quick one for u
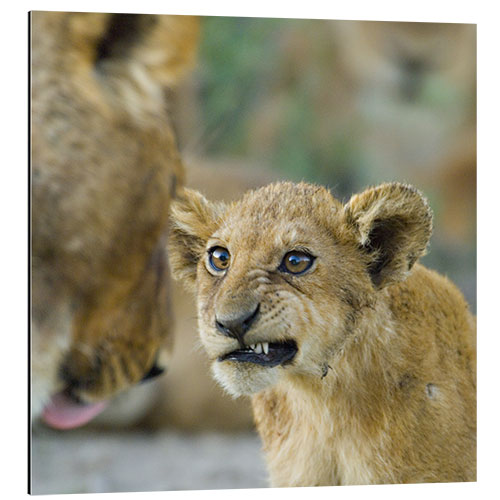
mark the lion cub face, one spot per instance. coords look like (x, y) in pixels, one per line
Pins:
(282, 274)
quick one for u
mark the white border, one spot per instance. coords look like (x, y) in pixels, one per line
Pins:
(14, 217)
(424, 10)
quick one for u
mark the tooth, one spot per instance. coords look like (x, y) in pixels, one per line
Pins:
(253, 346)
(258, 348)
(265, 347)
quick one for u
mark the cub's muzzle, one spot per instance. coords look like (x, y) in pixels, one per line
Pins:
(237, 327)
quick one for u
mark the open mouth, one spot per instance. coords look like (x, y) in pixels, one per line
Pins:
(264, 353)
(64, 411)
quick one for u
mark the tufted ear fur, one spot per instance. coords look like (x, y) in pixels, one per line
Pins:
(393, 225)
(193, 221)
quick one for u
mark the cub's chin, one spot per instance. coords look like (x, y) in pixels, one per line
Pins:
(239, 379)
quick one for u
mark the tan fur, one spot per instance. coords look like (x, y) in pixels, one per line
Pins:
(104, 168)
(187, 397)
(382, 388)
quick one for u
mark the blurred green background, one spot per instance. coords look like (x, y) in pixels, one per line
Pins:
(347, 104)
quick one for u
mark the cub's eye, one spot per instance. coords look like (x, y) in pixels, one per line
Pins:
(296, 262)
(219, 258)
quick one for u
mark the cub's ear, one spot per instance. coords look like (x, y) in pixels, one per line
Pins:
(393, 225)
(193, 221)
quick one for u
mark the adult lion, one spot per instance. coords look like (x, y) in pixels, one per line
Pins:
(105, 166)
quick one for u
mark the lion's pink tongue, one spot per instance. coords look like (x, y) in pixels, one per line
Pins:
(64, 413)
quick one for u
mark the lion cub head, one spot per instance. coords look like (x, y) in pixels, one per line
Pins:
(282, 275)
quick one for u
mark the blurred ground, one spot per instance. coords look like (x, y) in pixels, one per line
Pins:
(140, 461)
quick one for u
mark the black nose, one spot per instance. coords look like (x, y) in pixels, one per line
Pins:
(154, 372)
(237, 328)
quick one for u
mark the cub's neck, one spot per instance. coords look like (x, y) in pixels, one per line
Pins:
(337, 419)
(363, 365)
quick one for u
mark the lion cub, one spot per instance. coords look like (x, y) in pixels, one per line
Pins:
(360, 361)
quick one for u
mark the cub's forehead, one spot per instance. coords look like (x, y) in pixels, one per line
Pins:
(284, 208)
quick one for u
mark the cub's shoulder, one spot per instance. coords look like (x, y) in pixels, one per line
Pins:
(427, 291)
(430, 304)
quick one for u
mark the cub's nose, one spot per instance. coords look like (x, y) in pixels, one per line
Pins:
(237, 327)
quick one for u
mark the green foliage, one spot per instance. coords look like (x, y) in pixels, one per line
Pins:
(244, 62)
(233, 65)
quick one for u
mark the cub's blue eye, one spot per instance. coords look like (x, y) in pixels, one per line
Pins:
(296, 262)
(219, 258)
